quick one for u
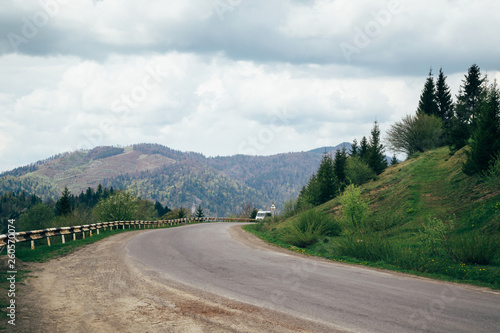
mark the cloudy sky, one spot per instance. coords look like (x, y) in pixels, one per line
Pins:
(225, 77)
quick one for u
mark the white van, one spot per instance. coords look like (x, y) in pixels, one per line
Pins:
(262, 214)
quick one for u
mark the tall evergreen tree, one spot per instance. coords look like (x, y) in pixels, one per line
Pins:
(354, 148)
(328, 186)
(363, 149)
(443, 98)
(199, 212)
(375, 154)
(485, 143)
(469, 99)
(427, 103)
(339, 163)
(64, 204)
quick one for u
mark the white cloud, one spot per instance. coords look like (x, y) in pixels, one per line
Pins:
(264, 77)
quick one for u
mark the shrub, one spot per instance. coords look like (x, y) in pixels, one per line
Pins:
(358, 172)
(474, 249)
(416, 134)
(121, 206)
(434, 235)
(309, 226)
(355, 209)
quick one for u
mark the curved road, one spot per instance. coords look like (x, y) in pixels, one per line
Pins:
(206, 256)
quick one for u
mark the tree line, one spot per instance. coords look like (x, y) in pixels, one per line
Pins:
(101, 204)
(472, 121)
(362, 163)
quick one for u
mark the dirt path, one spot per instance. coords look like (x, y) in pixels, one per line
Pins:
(100, 289)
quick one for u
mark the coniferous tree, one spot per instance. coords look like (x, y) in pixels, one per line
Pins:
(427, 103)
(340, 162)
(394, 160)
(485, 143)
(199, 212)
(354, 148)
(469, 99)
(363, 149)
(443, 99)
(375, 154)
(327, 181)
(64, 205)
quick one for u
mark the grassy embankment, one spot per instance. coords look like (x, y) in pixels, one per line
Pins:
(426, 218)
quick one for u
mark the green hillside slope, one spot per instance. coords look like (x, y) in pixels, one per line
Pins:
(425, 217)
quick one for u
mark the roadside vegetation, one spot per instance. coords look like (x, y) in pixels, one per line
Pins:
(436, 214)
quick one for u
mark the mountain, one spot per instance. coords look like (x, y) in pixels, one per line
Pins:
(222, 185)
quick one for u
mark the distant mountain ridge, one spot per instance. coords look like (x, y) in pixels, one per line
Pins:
(222, 185)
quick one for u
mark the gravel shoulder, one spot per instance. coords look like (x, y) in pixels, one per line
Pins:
(99, 288)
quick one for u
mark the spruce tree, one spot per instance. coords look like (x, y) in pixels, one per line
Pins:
(394, 160)
(485, 143)
(363, 149)
(443, 98)
(375, 154)
(354, 148)
(340, 163)
(327, 182)
(64, 205)
(427, 103)
(469, 99)
(199, 212)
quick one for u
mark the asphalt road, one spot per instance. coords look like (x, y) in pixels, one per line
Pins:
(207, 257)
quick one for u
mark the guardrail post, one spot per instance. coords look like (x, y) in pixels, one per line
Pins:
(90, 232)
(98, 231)
(48, 241)
(83, 234)
(74, 236)
(32, 244)
(63, 239)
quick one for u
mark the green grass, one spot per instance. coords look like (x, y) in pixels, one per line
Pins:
(406, 203)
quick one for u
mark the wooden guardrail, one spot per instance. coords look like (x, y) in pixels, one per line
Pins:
(25, 236)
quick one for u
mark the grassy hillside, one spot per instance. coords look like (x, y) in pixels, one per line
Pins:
(425, 217)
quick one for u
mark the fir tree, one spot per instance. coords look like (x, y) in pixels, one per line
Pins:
(64, 205)
(199, 212)
(375, 154)
(327, 181)
(443, 98)
(354, 148)
(485, 143)
(469, 99)
(394, 160)
(363, 149)
(427, 103)
(340, 162)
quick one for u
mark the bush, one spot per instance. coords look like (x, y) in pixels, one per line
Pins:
(309, 226)
(474, 249)
(358, 172)
(355, 209)
(121, 206)
(416, 134)
(433, 236)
